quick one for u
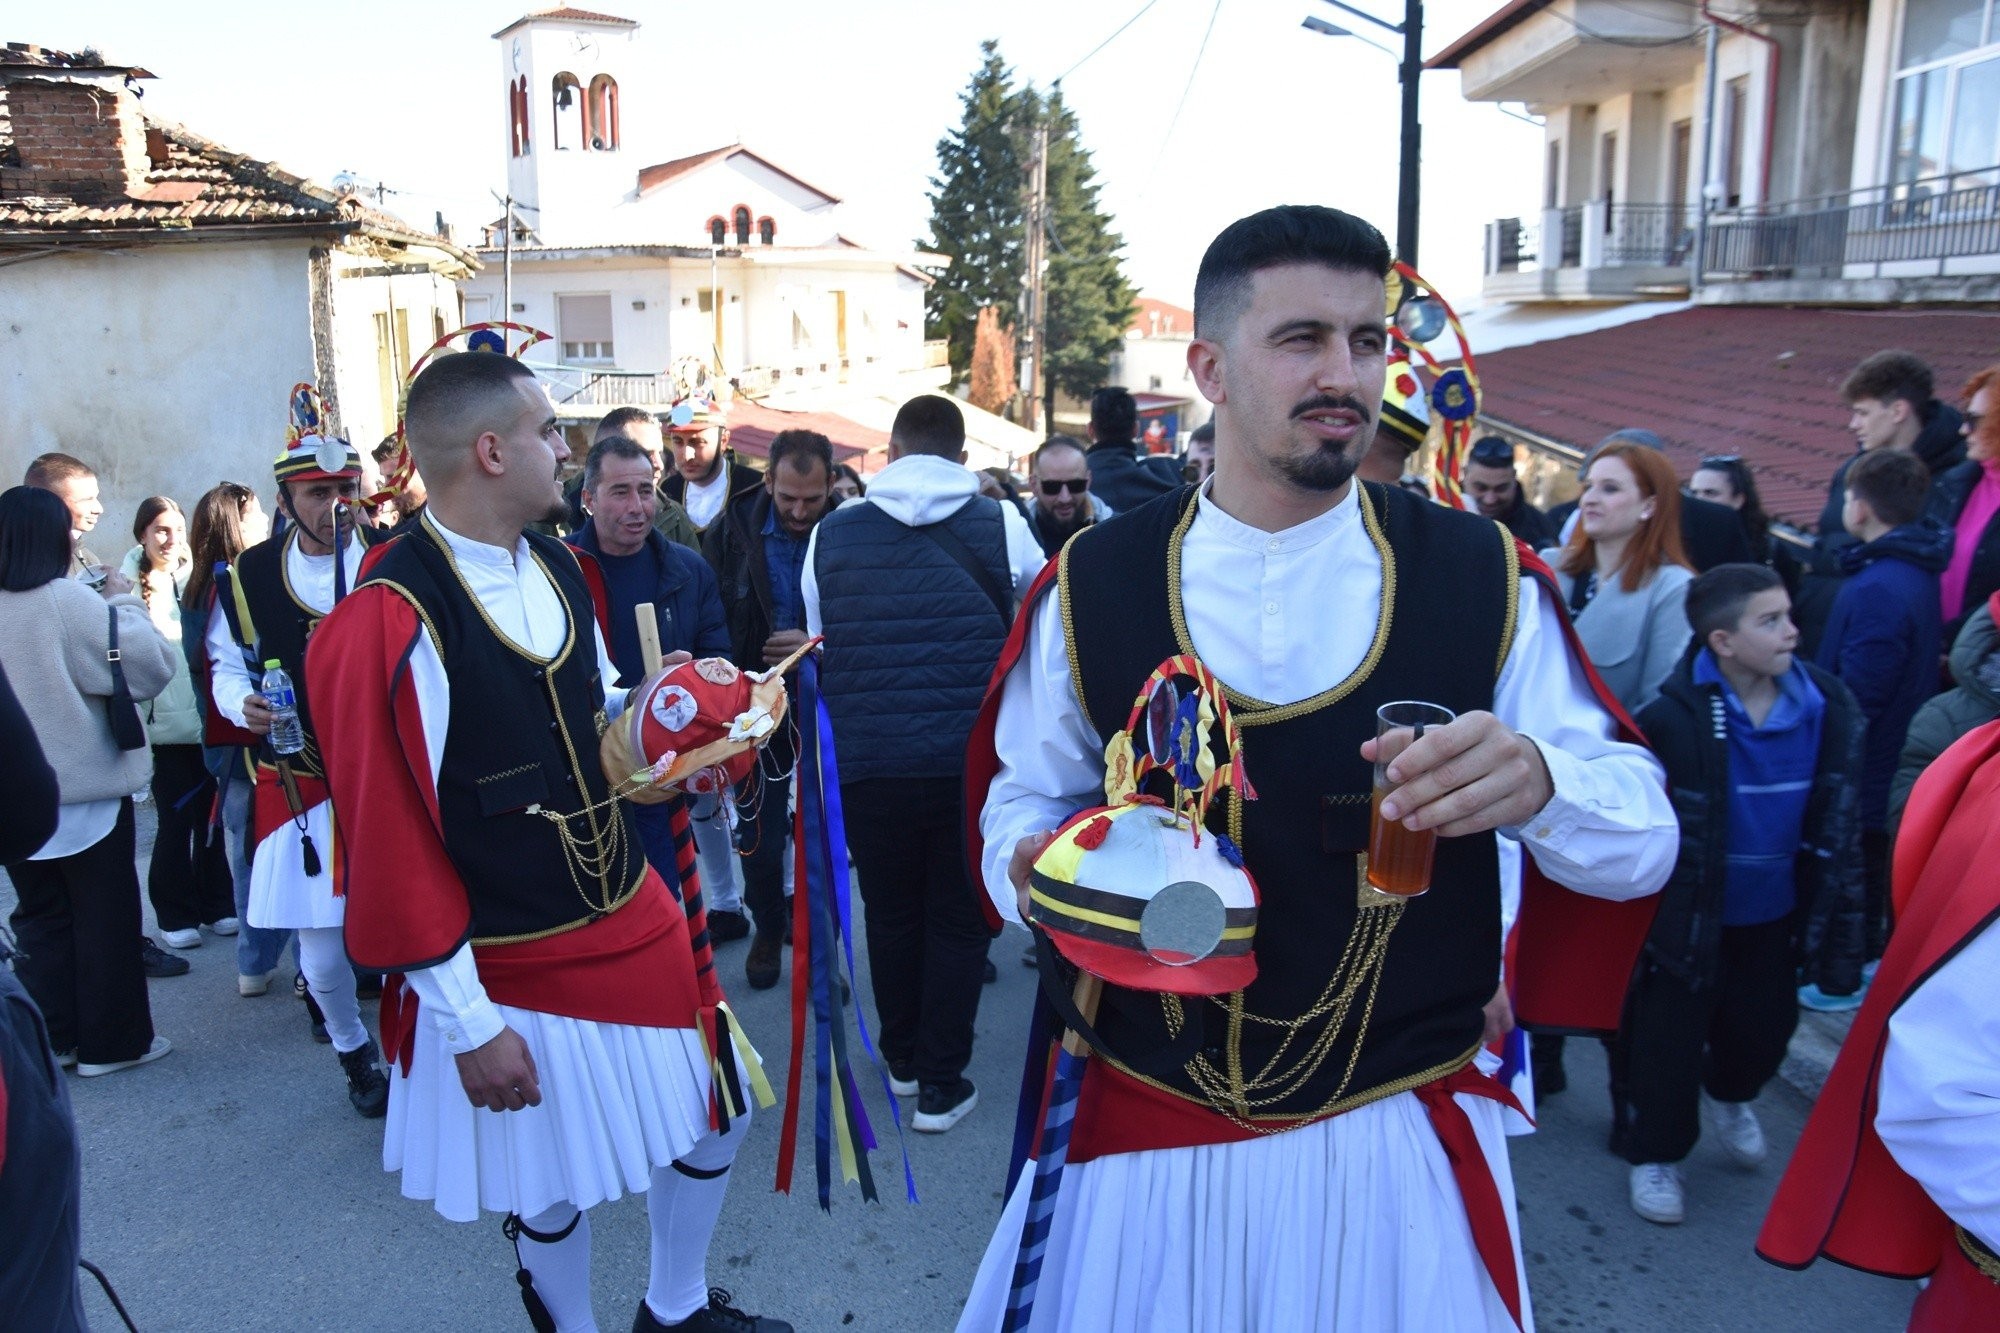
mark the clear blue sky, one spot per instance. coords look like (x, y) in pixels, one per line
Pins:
(854, 96)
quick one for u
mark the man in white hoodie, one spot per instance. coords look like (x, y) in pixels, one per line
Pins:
(914, 588)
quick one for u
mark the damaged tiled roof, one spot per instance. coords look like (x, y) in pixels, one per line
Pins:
(752, 427)
(1762, 382)
(195, 182)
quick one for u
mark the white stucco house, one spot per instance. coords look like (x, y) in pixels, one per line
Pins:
(160, 294)
(723, 257)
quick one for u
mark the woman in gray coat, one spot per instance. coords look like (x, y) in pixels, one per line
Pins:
(77, 912)
(1622, 573)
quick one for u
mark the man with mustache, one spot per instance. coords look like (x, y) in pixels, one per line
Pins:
(1317, 1165)
(1062, 504)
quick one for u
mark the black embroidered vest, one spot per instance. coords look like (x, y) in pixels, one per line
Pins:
(521, 746)
(281, 623)
(1282, 1050)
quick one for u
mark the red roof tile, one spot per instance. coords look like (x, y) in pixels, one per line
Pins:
(566, 14)
(660, 173)
(1763, 382)
(1172, 320)
(752, 427)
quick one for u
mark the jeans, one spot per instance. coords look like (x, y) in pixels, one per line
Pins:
(258, 948)
(926, 935)
(78, 925)
(188, 878)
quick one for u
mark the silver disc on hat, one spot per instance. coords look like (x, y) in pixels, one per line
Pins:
(1183, 923)
(331, 455)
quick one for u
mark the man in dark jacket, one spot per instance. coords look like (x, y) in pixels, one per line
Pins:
(1884, 635)
(642, 428)
(1890, 405)
(635, 565)
(757, 547)
(1119, 474)
(914, 589)
(1759, 750)
(1495, 491)
(707, 476)
(1972, 703)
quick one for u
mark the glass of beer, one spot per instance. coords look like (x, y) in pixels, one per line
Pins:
(1399, 861)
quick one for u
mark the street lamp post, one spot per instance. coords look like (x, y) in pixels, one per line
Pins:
(1411, 68)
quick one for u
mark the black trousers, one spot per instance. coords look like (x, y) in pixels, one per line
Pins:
(1875, 863)
(762, 832)
(926, 937)
(78, 925)
(188, 879)
(1729, 1037)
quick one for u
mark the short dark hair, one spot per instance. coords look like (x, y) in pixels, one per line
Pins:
(1715, 600)
(1055, 442)
(802, 448)
(1493, 451)
(609, 446)
(930, 423)
(1894, 482)
(1890, 375)
(50, 470)
(618, 418)
(34, 538)
(1204, 433)
(452, 396)
(1289, 234)
(1114, 414)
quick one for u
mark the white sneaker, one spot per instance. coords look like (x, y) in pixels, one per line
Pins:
(1736, 1125)
(1657, 1195)
(159, 1048)
(226, 926)
(902, 1087)
(247, 984)
(182, 939)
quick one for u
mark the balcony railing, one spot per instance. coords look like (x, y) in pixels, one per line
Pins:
(1593, 235)
(1929, 220)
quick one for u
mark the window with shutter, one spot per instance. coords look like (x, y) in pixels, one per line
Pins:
(584, 325)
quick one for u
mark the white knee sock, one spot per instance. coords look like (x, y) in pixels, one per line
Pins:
(683, 1204)
(561, 1269)
(323, 959)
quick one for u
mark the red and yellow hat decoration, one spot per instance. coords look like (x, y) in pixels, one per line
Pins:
(312, 452)
(1447, 385)
(497, 335)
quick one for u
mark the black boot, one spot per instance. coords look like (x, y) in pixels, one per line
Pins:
(315, 1019)
(718, 1316)
(367, 1087)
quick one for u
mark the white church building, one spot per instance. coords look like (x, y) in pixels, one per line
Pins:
(721, 258)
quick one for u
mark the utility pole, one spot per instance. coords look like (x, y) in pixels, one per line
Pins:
(1034, 322)
(507, 263)
(1410, 184)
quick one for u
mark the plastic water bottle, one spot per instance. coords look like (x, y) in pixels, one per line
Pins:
(287, 737)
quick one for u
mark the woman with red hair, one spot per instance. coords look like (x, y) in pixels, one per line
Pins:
(1966, 499)
(1622, 572)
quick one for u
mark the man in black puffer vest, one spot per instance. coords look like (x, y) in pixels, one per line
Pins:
(914, 588)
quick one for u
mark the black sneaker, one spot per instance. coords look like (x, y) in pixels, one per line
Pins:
(764, 961)
(369, 987)
(942, 1105)
(367, 1088)
(718, 1317)
(157, 961)
(725, 925)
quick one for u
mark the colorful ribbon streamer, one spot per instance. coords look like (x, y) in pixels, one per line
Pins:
(1064, 1088)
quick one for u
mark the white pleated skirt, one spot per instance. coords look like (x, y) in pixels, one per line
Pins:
(282, 896)
(1353, 1223)
(617, 1101)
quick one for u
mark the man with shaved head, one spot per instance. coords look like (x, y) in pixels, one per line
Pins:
(551, 1037)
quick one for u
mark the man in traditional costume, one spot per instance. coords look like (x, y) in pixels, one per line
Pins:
(556, 1026)
(1319, 1150)
(1898, 1171)
(273, 601)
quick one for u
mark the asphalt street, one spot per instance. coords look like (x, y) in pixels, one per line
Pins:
(230, 1187)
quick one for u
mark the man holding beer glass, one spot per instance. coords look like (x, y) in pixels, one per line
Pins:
(1322, 1149)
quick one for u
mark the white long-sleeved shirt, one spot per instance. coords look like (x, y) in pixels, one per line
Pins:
(1938, 1106)
(1282, 616)
(311, 577)
(923, 488)
(528, 610)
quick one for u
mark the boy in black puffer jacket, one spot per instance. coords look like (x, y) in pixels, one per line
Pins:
(1760, 750)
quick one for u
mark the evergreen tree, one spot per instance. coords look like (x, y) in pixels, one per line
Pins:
(1089, 302)
(977, 208)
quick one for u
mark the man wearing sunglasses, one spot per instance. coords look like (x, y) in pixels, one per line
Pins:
(1063, 505)
(1496, 493)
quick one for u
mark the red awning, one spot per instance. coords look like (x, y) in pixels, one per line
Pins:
(752, 426)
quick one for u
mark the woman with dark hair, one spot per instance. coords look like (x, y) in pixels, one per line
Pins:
(188, 878)
(1623, 573)
(847, 485)
(77, 912)
(226, 521)
(1726, 479)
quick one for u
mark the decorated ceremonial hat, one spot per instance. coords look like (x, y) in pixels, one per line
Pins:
(696, 405)
(312, 452)
(697, 725)
(502, 336)
(1406, 407)
(1129, 894)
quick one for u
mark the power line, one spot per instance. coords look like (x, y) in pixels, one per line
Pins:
(1186, 88)
(1107, 41)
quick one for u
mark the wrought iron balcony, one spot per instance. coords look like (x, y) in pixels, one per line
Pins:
(1902, 229)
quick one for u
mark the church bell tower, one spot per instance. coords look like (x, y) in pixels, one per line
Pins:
(564, 113)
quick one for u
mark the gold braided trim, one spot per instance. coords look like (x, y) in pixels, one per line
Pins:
(1512, 555)
(1272, 1124)
(569, 622)
(1251, 712)
(1069, 626)
(1978, 1255)
(430, 626)
(597, 914)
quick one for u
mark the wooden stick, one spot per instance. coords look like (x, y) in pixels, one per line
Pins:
(1089, 990)
(649, 635)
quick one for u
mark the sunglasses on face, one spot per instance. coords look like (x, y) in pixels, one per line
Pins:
(1054, 488)
(1721, 460)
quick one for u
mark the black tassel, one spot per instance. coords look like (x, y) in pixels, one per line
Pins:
(311, 856)
(538, 1311)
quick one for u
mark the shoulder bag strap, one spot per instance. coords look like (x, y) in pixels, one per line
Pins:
(949, 543)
